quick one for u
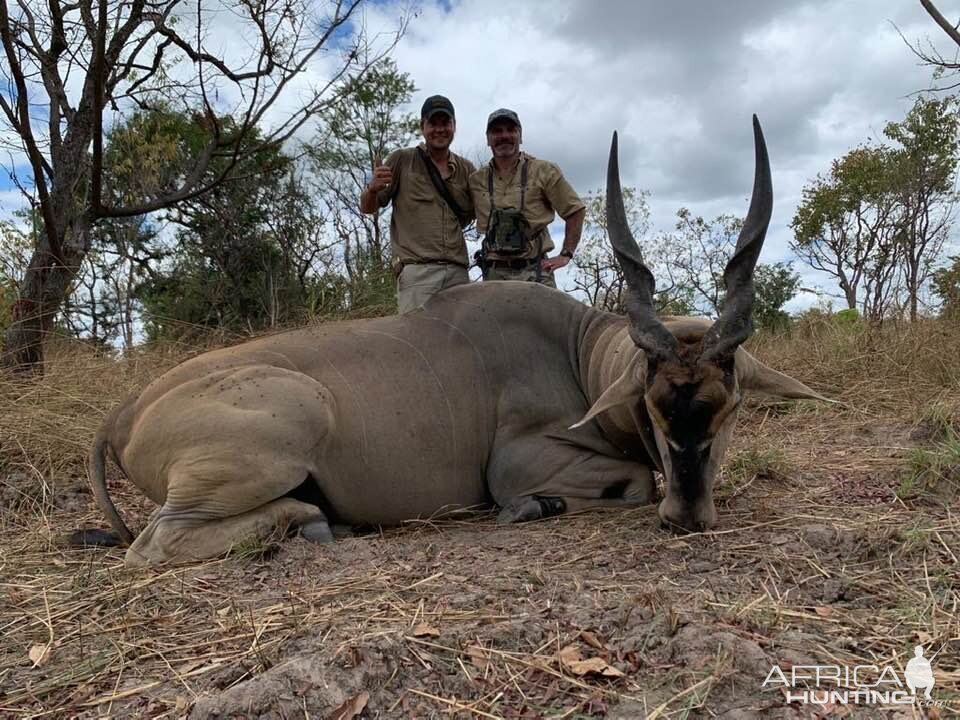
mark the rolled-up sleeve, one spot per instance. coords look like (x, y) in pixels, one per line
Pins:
(559, 192)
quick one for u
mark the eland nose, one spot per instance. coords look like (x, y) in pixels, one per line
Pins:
(681, 518)
(683, 524)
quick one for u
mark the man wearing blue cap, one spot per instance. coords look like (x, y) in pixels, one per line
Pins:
(516, 197)
(429, 188)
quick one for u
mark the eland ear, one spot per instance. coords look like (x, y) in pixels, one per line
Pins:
(627, 388)
(758, 377)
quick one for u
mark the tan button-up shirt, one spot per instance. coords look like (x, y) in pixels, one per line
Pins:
(548, 194)
(423, 228)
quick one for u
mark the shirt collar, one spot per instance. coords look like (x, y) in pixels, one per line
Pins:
(451, 157)
(513, 170)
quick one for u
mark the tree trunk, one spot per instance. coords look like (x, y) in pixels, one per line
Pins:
(42, 292)
(48, 279)
(850, 293)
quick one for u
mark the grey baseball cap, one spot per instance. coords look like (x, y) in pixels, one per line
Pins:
(435, 104)
(503, 114)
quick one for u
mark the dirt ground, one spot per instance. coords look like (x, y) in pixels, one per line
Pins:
(822, 556)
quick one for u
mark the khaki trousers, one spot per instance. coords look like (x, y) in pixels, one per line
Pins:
(417, 283)
(522, 274)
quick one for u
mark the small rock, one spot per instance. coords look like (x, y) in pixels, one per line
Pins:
(701, 566)
(832, 590)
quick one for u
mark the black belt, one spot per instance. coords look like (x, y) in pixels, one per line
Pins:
(521, 264)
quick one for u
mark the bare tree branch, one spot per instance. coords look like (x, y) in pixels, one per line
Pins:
(950, 30)
(21, 122)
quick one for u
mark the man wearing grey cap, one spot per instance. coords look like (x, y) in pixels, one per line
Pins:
(428, 186)
(516, 197)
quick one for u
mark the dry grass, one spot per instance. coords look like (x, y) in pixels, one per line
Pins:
(821, 556)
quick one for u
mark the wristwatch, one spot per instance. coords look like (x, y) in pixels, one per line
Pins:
(567, 254)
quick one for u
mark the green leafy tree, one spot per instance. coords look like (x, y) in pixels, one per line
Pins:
(879, 221)
(695, 256)
(355, 134)
(924, 164)
(148, 153)
(848, 226)
(775, 285)
(946, 284)
(688, 263)
(245, 255)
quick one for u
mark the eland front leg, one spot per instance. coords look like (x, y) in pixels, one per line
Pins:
(587, 481)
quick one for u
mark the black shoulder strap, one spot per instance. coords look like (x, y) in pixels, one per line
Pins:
(442, 189)
(490, 188)
(523, 183)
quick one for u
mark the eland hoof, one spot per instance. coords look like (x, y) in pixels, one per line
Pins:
(519, 511)
(530, 508)
(317, 531)
(93, 537)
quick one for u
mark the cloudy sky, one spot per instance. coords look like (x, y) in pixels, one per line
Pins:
(679, 80)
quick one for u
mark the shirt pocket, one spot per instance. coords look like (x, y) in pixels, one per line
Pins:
(421, 189)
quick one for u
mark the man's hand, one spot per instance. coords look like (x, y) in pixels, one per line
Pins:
(382, 177)
(554, 263)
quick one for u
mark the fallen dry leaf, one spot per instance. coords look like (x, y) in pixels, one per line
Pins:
(479, 657)
(591, 639)
(594, 665)
(572, 660)
(182, 705)
(823, 611)
(39, 655)
(351, 708)
(424, 630)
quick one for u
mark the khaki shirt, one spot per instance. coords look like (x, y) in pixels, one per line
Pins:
(423, 228)
(548, 194)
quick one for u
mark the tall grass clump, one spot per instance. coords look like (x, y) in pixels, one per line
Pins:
(897, 367)
(933, 468)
